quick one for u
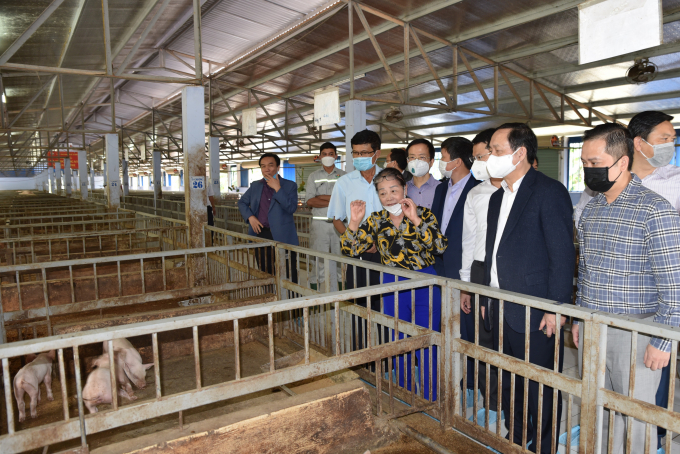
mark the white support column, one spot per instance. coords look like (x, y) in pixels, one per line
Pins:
(214, 154)
(195, 196)
(57, 172)
(82, 173)
(355, 121)
(51, 179)
(91, 176)
(68, 178)
(156, 176)
(126, 179)
(112, 152)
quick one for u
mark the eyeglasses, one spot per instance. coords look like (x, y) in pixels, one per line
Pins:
(420, 158)
(362, 154)
(478, 158)
(385, 178)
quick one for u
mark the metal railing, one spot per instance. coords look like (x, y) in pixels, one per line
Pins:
(79, 245)
(32, 294)
(379, 345)
(75, 424)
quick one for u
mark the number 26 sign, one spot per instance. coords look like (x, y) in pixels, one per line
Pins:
(197, 182)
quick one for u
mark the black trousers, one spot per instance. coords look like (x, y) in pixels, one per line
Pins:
(211, 219)
(541, 353)
(358, 338)
(477, 272)
(265, 258)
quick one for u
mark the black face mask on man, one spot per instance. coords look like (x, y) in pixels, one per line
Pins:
(597, 178)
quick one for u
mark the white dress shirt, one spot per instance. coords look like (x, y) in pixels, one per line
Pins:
(506, 206)
(665, 181)
(474, 226)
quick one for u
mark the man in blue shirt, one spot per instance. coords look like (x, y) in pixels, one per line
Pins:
(358, 185)
(629, 239)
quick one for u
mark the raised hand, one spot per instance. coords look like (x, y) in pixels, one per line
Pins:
(357, 211)
(273, 182)
(410, 211)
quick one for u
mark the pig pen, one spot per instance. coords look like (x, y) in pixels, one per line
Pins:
(213, 371)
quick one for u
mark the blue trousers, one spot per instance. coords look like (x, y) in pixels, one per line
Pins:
(662, 396)
(422, 315)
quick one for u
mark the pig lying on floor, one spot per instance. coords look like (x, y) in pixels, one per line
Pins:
(28, 380)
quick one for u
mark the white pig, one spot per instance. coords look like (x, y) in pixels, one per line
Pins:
(134, 369)
(119, 364)
(97, 388)
(28, 380)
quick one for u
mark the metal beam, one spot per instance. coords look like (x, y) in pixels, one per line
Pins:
(21, 112)
(143, 36)
(11, 50)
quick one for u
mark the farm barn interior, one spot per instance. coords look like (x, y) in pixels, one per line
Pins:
(179, 269)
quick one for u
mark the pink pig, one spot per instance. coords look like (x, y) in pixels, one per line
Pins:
(132, 361)
(97, 389)
(28, 380)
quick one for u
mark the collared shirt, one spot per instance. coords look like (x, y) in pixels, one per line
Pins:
(474, 226)
(424, 195)
(321, 182)
(265, 202)
(405, 246)
(350, 187)
(211, 193)
(630, 256)
(665, 181)
(453, 193)
(508, 199)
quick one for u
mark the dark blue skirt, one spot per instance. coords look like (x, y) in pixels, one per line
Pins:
(422, 315)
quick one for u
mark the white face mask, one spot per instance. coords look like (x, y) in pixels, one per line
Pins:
(500, 166)
(442, 169)
(328, 161)
(663, 153)
(418, 168)
(479, 170)
(394, 209)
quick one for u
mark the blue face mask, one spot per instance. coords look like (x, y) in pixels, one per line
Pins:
(363, 164)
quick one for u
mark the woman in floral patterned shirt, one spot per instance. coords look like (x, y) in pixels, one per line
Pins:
(406, 236)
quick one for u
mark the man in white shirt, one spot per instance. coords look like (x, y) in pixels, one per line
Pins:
(324, 237)
(474, 252)
(654, 144)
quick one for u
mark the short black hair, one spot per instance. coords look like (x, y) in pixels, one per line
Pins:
(642, 124)
(270, 155)
(367, 137)
(430, 147)
(522, 135)
(459, 147)
(399, 156)
(389, 173)
(535, 160)
(618, 140)
(484, 136)
(327, 145)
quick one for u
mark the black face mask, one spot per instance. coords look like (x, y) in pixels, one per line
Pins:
(597, 178)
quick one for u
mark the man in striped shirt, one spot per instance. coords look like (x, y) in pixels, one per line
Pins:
(654, 145)
(629, 238)
(651, 131)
